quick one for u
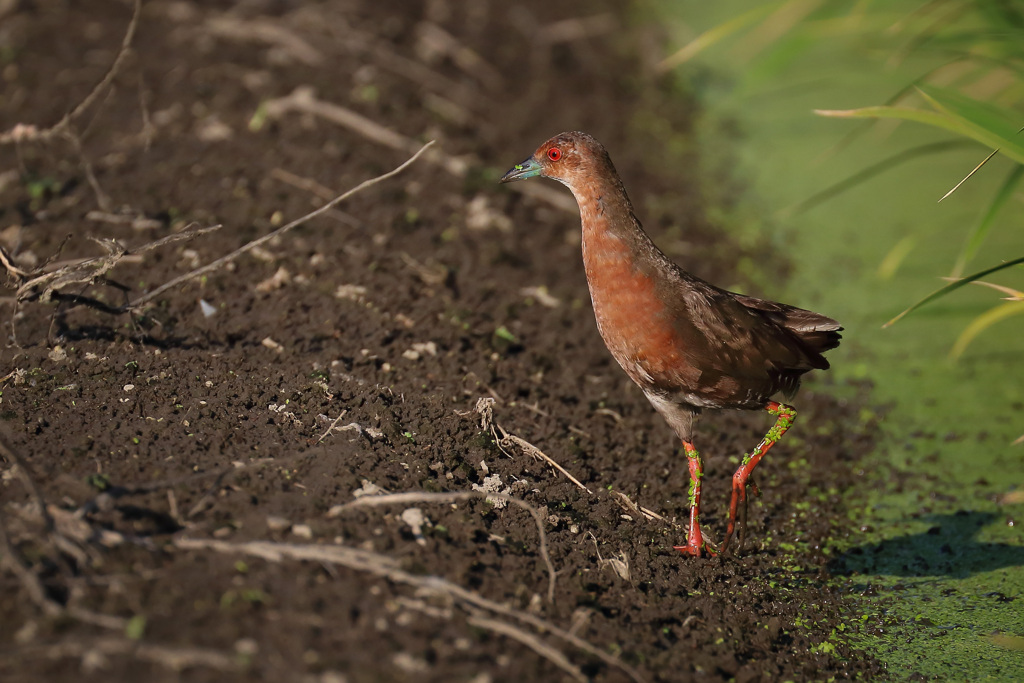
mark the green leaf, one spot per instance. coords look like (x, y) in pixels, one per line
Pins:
(770, 33)
(930, 118)
(865, 126)
(715, 35)
(892, 261)
(952, 286)
(877, 169)
(929, 31)
(985, 123)
(503, 333)
(982, 323)
(135, 628)
(99, 481)
(981, 230)
(988, 124)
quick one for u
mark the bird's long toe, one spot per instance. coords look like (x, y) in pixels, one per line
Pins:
(697, 545)
(697, 549)
(692, 550)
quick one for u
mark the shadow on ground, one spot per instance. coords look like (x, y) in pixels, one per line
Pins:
(949, 548)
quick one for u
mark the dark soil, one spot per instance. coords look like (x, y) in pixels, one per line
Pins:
(392, 315)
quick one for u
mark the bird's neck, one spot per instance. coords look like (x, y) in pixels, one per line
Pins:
(612, 235)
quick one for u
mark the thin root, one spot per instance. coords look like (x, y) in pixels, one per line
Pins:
(387, 568)
(426, 497)
(485, 408)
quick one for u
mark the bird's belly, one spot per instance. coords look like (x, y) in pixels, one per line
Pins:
(632, 320)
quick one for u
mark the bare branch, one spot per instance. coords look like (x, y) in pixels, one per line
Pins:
(484, 407)
(435, 40)
(173, 658)
(45, 286)
(27, 132)
(303, 99)
(531, 641)
(30, 485)
(210, 267)
(267, 31)
(11, 558)
(387, 568)
(447, 497)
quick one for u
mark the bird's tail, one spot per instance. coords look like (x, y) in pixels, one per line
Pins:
(817, 332)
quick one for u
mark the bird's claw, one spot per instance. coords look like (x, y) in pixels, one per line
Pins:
(697, 549)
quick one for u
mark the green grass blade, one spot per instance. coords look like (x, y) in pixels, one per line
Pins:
(990, 125)
(930, 118)
(930, 32)
(877, 169)
(982, 323)
(916, 16)
(781, 22)
(971, 174)
(894, 259)
(952, 286)
(715, 35)
(768, 68)
(1011, 293)
(981, 230)
(865, 126)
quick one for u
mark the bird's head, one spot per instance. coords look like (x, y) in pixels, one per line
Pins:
(567, 158)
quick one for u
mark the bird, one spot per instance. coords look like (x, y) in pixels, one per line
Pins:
(689, 345)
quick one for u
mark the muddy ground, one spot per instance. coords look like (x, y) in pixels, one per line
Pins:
(194, 527)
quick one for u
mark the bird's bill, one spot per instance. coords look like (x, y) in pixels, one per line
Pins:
(521, 171)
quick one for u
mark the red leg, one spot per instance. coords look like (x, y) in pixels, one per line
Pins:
(695, 543)
(785, 414)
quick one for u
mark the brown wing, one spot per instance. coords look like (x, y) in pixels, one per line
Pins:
(745, 348)
(748, 338)
(817, 332)
(730, 350)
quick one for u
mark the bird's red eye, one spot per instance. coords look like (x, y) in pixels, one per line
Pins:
(554, 154)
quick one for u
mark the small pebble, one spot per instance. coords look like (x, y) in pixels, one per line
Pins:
(275, 523)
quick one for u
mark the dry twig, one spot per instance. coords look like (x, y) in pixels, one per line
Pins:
(214, 265)
(387, 568)
(426, 497)
(13, 560)
(624, 501)
(619, 565)
(22, 132)
(307, 184)
(45, 286)
(12, 457)
(531, 641)
(268, 31)
(332, 426)
(576, 28)
(434, 40)
(94, 651)
(485, 407)
(303, 99)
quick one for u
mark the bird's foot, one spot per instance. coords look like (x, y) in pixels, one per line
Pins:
(697, 547)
